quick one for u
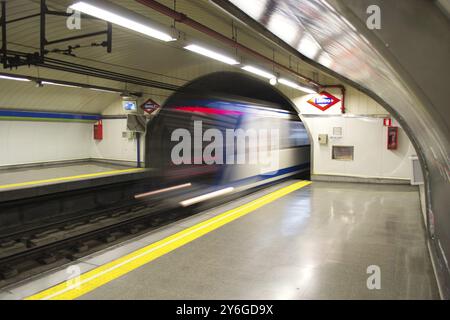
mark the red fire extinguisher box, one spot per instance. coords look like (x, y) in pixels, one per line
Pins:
(392, 138)
(98, 130)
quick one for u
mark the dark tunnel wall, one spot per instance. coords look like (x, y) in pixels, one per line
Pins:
(237, 84)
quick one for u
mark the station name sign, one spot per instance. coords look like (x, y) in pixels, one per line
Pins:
(150, 106)
(323, 101)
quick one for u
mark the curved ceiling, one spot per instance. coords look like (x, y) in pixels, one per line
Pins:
(403, 64)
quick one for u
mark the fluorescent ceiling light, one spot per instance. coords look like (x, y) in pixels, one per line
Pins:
(103, 90)
(59, 84)
(259, 72)
(120, 20)
(296, 86)
(211, 54)
(14, 78)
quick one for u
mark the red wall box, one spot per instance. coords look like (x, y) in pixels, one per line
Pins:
(392, 138)
(98, 130)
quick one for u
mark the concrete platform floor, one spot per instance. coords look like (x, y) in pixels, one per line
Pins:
(44, 175)
(315, 243)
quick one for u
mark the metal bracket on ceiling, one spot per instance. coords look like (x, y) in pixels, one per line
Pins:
(4, 43)
(9, 61)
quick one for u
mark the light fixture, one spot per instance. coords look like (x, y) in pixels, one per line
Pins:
(259, 72)
(103, 90)
(116, 15)
(211, 54)
(296, 86)
(14, 78)
(59, 84)
(274, 81)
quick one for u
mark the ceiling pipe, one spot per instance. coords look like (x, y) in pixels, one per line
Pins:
(65, 66)
(183, 18)
(41, 81)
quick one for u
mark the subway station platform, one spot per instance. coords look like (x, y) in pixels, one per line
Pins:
(32, 181)
(295, 240)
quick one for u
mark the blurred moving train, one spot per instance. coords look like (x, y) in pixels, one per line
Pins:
(225, 143)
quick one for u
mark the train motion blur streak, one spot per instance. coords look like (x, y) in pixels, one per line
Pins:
(222, 142)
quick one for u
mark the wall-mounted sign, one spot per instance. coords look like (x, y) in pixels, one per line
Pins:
(387, 122)
(136, 123)
(129, 105)
(323, 101)
(150, 106)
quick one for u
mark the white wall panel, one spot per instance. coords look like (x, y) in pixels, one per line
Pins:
(26, 142)
(31, 142)
(369, 138)
(362, 128)
(114, 146)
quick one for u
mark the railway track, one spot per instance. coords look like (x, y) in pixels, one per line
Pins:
(35, 250)
(32, 250)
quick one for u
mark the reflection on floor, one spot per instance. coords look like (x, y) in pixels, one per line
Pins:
(316, 243)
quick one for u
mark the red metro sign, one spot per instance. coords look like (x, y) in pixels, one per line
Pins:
(323, 101)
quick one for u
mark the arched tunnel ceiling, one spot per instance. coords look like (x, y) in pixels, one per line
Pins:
(404, 65)
(322, 33)
(395, 64)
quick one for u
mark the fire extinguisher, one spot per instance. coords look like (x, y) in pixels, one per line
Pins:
(392, 138)
(98, 130)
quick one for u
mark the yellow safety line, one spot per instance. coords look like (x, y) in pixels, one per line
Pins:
(82, 176)
(93, 279)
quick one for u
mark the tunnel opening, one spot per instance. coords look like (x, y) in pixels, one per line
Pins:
(238, 85)
(228, 104)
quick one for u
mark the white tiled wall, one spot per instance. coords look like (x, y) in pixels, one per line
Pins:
(114, 146)
(35, 142)
(372, 159)
(362, 128)
(32, 142)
